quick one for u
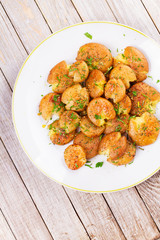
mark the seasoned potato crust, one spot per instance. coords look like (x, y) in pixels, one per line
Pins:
(74, 156)
(124, 106)
(79, 71)
(144, 130)
(96, 55)
(90, 145)
(95, 83)
(99, 110)
(115, 89)
(144, 98)
(89, 129)
(69, 121)
(118, 124)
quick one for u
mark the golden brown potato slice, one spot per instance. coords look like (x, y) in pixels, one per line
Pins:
(124, 73)
(115, 89)
(74, 156)
(89, 129)
(58, 135)
(127, 157)
(118, 124)
(113, 145)
(95, 83)
(90, 145)
(76, 98)
(51, 104)
(144, 98)
(99, 110)
(58, 77)
(78, 71)
(69, 121)
(96, 55)
(124, 106)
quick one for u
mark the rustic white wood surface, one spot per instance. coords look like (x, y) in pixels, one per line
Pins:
(32, 206)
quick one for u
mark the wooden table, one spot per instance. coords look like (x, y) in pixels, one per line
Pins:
(31, 205)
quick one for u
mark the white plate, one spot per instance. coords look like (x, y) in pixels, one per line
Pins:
(32, 82)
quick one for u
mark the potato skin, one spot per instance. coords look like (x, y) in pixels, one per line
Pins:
(144, 98)
(95, 83)
(144, 130)
(58, 135)
(58, 77)
(69, 121)
(124, 106)
(96, 55)
(79, 71)
(90, 145)
(74, 156)
(51, 104)
(89, 129)
(118, 124)
(113, 145)
(99, 110)
(115, 89)
(76, 98)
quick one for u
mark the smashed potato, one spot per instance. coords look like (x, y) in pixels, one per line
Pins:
(58, 77)
(144, 98)
(90, 145)
(124, 106)
(74, 156)
(99, 110)
(144, 130)
(69, 121)
(58, 135)
(97, 56)
(118, 124)
(78, 71)
(89, 129)
(51, 104)
(115, 89)
(95, 83)
(76, 98)
(113, 145)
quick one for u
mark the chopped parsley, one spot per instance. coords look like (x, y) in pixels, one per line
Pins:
(158, 81)
(99, 164)
(73, 116)
(97, 116)
(88, 35)
(118, 128)
(65, 75)
(134, 93)
(76, 165)
(108, 70)
(87, 165)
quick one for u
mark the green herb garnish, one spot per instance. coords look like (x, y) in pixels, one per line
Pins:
(97, 116)
(99, 164)
(88, 35)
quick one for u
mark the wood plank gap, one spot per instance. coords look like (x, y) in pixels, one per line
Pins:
(6, 80)
(8, 223)
(26, 187)
(112, 11)
(76, 10)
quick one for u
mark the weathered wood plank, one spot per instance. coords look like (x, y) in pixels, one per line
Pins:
(5, 231)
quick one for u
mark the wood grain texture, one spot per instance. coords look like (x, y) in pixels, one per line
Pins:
(5, 231)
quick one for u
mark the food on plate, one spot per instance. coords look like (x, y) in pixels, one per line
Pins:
(144, 98)
(75, 156)
(90, 145)
(99, 110)
(113, 145)
(58, 77)
(76, 98)
(69, 121)
(115, 90)
(95, 83)
(79, 71)
(124, 106)
(96, 55)
(89, 129)
(51, 104)
(144, 130)
(118, 124)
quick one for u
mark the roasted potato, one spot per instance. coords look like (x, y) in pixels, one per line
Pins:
(115, 89)
(124, 73)
(144, 98)
(69, 121)
(51, 104)
(58, 77)
(99, 110)
(78, 71)
(124, 106)
(95, 83)
(76, 98)
(113, 145)
(127, 157)
(90, 145)
(144, 130)
(96, 55)
(89, 129)
(58, 135)
(118, 124)
(75, 156)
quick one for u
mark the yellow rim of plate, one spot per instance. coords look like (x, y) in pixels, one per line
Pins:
(13, 117)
